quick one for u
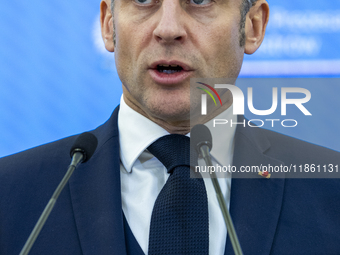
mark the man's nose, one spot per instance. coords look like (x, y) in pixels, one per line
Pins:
(170, 25)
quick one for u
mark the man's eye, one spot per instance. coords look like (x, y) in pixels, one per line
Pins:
(143, 1)
(200, 2)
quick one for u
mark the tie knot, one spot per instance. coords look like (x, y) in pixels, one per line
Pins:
(173, 151)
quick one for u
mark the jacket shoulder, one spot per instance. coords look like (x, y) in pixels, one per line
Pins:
(290, 148)
(53, 153)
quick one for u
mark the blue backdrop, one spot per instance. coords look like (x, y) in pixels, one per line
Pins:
(56, 79)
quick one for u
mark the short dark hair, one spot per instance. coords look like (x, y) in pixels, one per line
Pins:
(245, 7)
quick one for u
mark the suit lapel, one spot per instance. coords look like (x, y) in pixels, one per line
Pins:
(96, 196)
(255, 202)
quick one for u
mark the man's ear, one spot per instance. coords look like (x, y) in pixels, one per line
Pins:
(106, 23)
(255, 27)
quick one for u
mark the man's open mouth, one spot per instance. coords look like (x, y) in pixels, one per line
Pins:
(168, 72)
(169, 69)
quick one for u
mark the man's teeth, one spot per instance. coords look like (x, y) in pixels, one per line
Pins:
(169, 65)
(169, 71)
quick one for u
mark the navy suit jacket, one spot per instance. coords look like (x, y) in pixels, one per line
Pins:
(271, 216)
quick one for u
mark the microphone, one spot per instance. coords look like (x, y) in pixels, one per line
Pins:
(86, 144)
(81, 151)
(202, 140)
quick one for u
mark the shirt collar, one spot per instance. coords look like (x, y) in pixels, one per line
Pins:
(137, 132)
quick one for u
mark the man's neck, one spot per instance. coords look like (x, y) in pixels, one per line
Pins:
(182, 127)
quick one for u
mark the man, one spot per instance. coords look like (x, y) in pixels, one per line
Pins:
(107, 206)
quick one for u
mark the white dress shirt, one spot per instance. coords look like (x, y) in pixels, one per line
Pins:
(143, 176)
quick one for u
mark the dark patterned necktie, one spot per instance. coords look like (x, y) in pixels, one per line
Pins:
(179, 221)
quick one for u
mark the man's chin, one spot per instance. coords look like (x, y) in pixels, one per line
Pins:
(171, 113)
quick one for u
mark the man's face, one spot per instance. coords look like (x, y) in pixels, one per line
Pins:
(161, 44)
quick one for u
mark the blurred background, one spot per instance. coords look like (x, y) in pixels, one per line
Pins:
(56, 78)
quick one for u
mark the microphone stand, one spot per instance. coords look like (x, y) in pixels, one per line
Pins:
(76, 160)
(227, 219)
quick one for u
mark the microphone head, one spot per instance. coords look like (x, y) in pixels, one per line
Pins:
(86, 143)
(200, 135)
